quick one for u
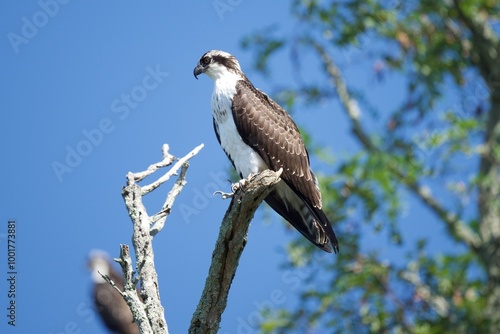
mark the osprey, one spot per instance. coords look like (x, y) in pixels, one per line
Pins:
(257, 134)
(112, 308)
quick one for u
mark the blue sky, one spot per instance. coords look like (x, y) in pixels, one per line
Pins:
(119, 76)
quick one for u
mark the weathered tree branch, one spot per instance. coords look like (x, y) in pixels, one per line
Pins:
(456, 226)
(129, 292)
(228, 249)
(167, 160)
(159, 219)
(148, 313)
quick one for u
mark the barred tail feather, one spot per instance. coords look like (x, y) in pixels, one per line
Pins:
(311, 222)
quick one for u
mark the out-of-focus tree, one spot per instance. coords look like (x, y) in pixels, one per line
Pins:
(448, 158)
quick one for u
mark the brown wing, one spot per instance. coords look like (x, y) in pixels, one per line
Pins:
(272, 133)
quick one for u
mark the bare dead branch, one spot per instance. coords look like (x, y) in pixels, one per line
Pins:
(149, 312)
(129, 292)
(159, 219)
(173, 171)
(167, 160)
(228, 249)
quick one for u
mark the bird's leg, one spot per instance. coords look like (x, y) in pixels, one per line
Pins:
(234, 188)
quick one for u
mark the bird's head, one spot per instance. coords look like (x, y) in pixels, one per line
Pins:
(217, 64)
(98, 263)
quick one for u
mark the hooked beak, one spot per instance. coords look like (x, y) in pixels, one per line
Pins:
(198, 70)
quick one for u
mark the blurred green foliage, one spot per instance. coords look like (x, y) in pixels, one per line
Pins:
(438, 47)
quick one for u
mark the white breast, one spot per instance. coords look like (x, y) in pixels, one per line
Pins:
(245, 159)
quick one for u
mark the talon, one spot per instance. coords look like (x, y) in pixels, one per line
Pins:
(236, 186)
(223, 195)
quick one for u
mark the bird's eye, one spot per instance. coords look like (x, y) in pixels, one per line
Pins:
(205, 60)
